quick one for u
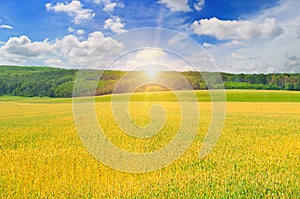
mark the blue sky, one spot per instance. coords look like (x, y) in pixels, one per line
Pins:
(259, 36)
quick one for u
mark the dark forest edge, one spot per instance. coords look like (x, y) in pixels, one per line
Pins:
(58, 82)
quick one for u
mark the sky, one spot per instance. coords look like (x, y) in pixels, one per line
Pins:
(258, 36)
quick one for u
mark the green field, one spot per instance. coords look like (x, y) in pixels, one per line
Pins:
(257, 155)
(202, 96)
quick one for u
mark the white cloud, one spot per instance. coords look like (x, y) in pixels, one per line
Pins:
(66, 52)
(145, 58)
(229, 44)
(115, 24)
(266, 49)
(54, 62)
(74, 9)
(151, 58)
(23, 46)
(199, 5)
(80, 32)
(70, 30)
(271, 70)
(236, 29)
(208, 45)
(234, 43)
(5, 27)
(88, 52)
(177, 5)
(108, 5)
(111, 6)
(243, 57)
(150, 53)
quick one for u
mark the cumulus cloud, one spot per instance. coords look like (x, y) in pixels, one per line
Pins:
(5, 26)
(23, 46)
(115, 24)
(151, 58)
(236, 29)
(66, 52)
(199, 5)
(108, 5)
(176, 5)
(91, 52)
(150, 53)
(269, 43)
(147, 57)
(74, 9)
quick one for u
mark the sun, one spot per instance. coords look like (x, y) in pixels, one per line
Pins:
(151, 73)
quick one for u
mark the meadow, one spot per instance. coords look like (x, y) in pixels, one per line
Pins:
(257, 154)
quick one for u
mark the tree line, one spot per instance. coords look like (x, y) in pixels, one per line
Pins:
(58, 82)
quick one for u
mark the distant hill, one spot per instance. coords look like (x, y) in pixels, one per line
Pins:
(57, 82)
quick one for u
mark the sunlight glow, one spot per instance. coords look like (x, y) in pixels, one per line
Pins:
(151, 73)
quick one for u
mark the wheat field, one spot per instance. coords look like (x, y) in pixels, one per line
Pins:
(257, 154)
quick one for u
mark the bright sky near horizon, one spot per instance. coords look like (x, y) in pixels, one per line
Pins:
(258, 36)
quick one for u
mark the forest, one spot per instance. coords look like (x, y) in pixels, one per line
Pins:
(30, 81)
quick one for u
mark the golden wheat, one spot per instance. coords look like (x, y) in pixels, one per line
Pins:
(257, 155)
